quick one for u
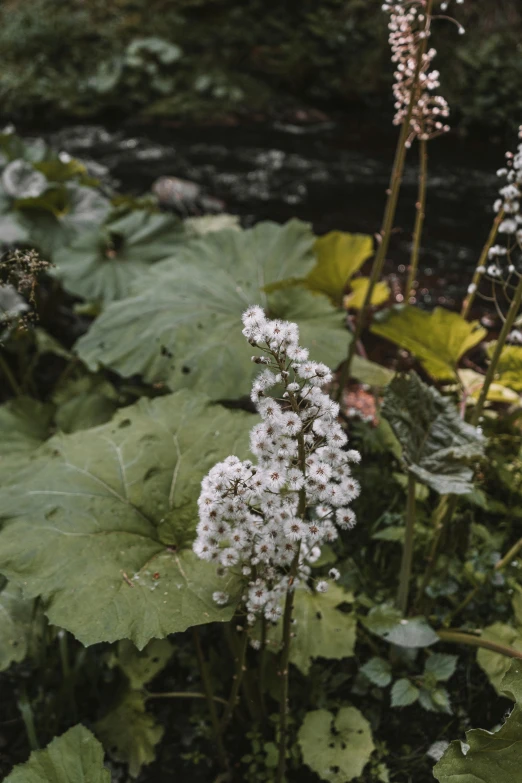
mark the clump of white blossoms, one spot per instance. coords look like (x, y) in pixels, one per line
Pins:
(267, 520)
(409, 26)
(504, 257)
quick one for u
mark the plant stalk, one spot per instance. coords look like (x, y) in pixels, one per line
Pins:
(453, 635)
(182, 695)
(419, 220)
(209, 695)
(389, 212)
(10, 377)
(407, 551)
(236, 685)
(477, 277)
(284, 664)
(490, 375)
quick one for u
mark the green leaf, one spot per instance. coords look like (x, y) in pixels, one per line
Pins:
(46, 343)
(108, 504)
(441, 665)
(84, 402)
(24, 424)
(16, 622)
(509, 368)
(321, 630)
(129, 733)
(436, 700)
(378, 671)
(488, 757)
(21, 180)
(494, 664)
(338, 747)
(437, 445)
(403, 693)
(141, 666)
(439, 339)
(339, 257)
(355, 299)
(387, 622)
(55, 219)
(75, 756)
(370, 372)
(102, 265)
(184, 326)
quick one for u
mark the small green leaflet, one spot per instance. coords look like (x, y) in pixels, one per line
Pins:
(403, 693)
(378, 672)
(438, 339)
(75, 756)
(387, 622)
(183, 325)
(337, 747)
(116, 507)
(437, 446)
(489, 757)
(442, 666)
(141, 666)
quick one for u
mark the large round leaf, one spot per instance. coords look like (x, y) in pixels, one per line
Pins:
(184, 325)
(101, 265)
(336, 748)
(98, 523)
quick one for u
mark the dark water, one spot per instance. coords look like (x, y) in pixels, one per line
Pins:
(333, 175)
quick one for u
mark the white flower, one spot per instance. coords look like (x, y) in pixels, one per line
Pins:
(334, 574)
(321, 587)
(220, 598)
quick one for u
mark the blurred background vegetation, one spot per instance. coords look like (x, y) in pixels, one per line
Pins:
(208, 60)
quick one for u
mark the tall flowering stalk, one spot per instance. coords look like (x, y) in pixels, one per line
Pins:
(506, 259)
(420, 114)
(266, 520)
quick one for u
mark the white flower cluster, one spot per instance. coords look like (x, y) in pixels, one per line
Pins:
(408, 27)
(509, 203)
(267, 520)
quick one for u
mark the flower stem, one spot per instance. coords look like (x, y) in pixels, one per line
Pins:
(284, 664)
(459, 637)
(209, 695)
(182, 695)
(407, 551)
(236, 685)
(389, 211)
(506, 328)
(419, 220)
(477, 277)
(443, 515)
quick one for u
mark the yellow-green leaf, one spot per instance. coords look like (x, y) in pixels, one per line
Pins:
(509, 370)
(355, 299)
(438, 339)
(339, 257)
(473, 382)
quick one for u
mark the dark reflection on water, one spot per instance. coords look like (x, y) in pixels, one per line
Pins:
(333, 175)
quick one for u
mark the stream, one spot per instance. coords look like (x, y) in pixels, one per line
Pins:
(333, 175)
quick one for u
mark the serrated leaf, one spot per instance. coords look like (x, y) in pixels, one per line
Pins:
(102, 265)
(184, 326)
(488, 757)
(321, 630)
(75, 756)
(359, 286)
(493, 664)
(141, 666)
(386, 621)
(436, 700)
(338, 747)
(439, 339)
(108, 504)
(378, 671)
(437, 446)
(339, 257)
(472, 382)
(441, 665)
(16, 616)
(403, 693)
(21, 180)
(129, 733)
